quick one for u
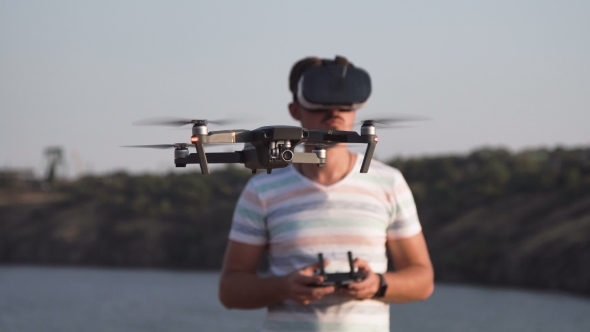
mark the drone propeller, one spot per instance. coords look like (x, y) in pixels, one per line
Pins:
(161, 146)
(392, 122)
(175, 145)
(177, 122)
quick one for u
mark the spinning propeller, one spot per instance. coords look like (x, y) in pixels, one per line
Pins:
(267, 147)
(161, 146)
(392, 122)
(177, 122)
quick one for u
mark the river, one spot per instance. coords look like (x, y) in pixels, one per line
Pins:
(90, 299)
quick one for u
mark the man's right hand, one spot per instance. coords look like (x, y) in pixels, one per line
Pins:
(297, 285)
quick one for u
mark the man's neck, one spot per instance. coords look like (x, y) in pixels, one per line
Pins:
(339, 162)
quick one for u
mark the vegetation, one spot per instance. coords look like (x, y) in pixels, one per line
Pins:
(496, 217)
(173, 220)
(453, 183)
(493, 216)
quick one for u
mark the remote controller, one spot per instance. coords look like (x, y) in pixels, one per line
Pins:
(338, 279)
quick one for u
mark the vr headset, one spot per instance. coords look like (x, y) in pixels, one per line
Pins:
(333, 86)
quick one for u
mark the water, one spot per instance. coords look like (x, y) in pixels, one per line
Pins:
(79, 299)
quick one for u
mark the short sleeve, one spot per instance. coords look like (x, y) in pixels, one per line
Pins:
(248, 223)
(404, 221)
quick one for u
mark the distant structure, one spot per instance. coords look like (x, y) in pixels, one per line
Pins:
(54, 158)
(78, 164)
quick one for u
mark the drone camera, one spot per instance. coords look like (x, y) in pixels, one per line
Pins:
(281, 150)
(287, 155)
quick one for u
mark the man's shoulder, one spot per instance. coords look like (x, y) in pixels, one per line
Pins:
(381, 169)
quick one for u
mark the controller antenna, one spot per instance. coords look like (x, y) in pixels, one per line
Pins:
(351, 263)
(321, 261)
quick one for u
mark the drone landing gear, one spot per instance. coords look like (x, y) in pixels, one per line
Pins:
(202, 158)
(368, 155)
(199, 129)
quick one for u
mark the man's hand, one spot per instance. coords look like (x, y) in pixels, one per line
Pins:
(365, 289)
(297, 285)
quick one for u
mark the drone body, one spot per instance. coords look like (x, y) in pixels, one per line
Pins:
(269, 147)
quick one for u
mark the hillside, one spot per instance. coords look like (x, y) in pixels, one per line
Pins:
(490, 217)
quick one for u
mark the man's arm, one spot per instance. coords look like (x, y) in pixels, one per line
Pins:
(413, 279)
(241, 288)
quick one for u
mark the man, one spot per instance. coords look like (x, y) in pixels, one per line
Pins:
(302, 210)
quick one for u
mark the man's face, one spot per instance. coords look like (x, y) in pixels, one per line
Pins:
(327, 119)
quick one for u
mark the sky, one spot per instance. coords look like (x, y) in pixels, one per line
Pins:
(77, 74)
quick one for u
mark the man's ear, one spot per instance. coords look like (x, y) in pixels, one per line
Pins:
(294, 110)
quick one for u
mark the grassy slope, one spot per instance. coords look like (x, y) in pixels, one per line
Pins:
(528, 240)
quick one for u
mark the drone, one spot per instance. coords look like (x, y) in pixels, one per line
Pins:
(265, 148)
(330, 85)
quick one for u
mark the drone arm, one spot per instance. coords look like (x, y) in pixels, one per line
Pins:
(335, 136)
(368, 156)
(339, 136)
(236, 157)
(228, 136)
(306, 158)
(203, 160)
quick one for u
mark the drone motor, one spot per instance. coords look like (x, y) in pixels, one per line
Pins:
(200, 129)
(180, 153)
(368, 128)
(320, 152)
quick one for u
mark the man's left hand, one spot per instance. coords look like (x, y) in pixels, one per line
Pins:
(365, 289)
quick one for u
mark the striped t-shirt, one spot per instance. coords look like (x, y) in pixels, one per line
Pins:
(298, 218)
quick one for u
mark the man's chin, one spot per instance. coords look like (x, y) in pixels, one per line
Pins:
(339, 127)
(334, 125)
